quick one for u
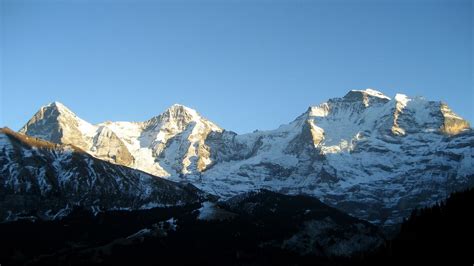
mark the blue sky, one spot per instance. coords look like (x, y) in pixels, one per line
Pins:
(243, 64)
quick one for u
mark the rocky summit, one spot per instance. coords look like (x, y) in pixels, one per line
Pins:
(368, 154)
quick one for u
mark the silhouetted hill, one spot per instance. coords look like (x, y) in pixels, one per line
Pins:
(443, 232)
(258, 228)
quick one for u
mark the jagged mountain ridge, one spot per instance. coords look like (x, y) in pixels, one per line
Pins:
(153, 146)
(365, 153)
(48, 180)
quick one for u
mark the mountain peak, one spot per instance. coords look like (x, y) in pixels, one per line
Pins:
(56, 123)
(179, 117)
(56, 108)
(177, 105)
(367, 92)
(178, 113)
(367, 96)
(48, 115)
(181, 109)
(57, 104)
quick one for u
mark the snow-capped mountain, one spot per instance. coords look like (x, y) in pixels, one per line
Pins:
(375, 157)
(169, 144)
(56, 123)
(47, 180)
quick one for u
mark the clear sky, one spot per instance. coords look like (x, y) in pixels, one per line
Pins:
(243, 64)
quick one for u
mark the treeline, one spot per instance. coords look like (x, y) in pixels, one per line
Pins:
(439, 234)
(443, 232)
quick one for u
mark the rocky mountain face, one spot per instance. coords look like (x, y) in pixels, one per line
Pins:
(170, 144)
(372, 156)
(46, 180)
(56, 123)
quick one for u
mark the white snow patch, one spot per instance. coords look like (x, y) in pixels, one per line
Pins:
(320, 110)
(172, 223)
(374, 93)
(207, 211)
(140, 234)
(151, 205)
(402, 99)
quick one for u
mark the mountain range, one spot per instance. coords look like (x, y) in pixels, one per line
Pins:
(367, 154)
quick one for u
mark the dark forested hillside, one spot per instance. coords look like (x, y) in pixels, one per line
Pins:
(261, 228)
(438, 233)
(257, 228)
